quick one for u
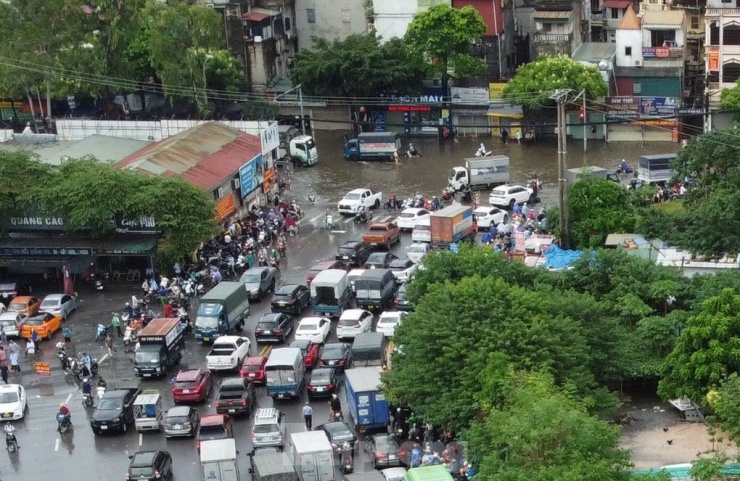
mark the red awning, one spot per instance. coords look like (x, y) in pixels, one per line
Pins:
(620, 4)
(254, 16)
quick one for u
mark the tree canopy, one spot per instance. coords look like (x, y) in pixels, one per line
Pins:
(444, 36)
(358, 66)
(534, 82)
(598, 208)
(90, 193)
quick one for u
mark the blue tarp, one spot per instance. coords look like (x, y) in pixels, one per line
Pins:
(557, 258)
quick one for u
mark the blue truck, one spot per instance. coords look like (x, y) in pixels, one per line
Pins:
(367, 404)
(373, 146)
(222, 310)
(330, 292)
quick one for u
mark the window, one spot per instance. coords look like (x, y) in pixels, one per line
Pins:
(628, 51)
(615, 13)
(713, 34)
(346, 17)
(660, 37)
(732, 35)
(636, 88)
(730, 72)
(287, 24)
(694, 22)
(311, 15)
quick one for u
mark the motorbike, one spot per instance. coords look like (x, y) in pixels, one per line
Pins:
(96, 281)
(186, 323)
(412, 154)
(363, 217)
(624, 168)
(11, 443)
(447, 193)
(311, 195)
(80, 371)
(281, 248)
(65, 423)
(347, 461)
(87, 400)
(392, 203)
(329, 222)
(295, 210)
(129, 335)
(482, 152)
(62, 355)
(102, 331)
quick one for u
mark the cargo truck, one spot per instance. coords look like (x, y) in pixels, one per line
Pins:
(652, 169)
(222, 310)
(367, 404)
(159, 347)
(312, 456)
(285, 373)
(451, 225)
(272, 467)
(480, 173)
(218, 460)
(330, 292)
(300, 150)
(373, 146)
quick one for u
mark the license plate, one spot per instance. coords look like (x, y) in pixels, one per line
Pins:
(147, 375)
(345, 257)
(251, 374)
(331, 363)
(282, 304)
(186, 391)
(232, 410)
(206, 339)
(370, 306)
(178, 426)
(392, 456)
(281, 395)
(320, 389)
(8, 415)
(103, 427)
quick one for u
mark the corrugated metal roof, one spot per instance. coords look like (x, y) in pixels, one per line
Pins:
(205, 155)
(664, 17)
(551, 15)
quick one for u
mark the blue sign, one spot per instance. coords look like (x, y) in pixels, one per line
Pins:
(658, 106)
(251, 175)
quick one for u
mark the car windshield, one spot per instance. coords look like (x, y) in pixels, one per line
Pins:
(110, 404)
(143, 472)
(320, 377)
(35, 321)
(285, 290)
(387, 320)
(341, 434)
(212, 431)
(250, 279)
(265, 428)
(208, 322)
(420, 227)
(8, 397)
(332, 352)
(420, 249)
(185, 384)
(269, 324)
(385, 444)
(407, 215)
(17, 306)
(350, 249)
(10, 286)
(352, 196)
(251, 368)
(177, 419)
(49, 304)
(348, 322)
(143, 357)
(307, 327)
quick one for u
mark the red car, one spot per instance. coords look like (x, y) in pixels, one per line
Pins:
(311, 352)
(254, 369)
(214, 426)
(322, 266)
(192, 385)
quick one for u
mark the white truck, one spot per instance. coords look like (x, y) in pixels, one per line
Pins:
(353, 199)
(480, 173)
(228, 353)
(296, 148)
(218, 460)
(312, 456)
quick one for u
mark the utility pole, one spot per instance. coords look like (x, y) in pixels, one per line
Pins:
(561, 95)
(582, 96)
(299, 88)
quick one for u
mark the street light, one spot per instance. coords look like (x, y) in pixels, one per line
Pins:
(205, 82)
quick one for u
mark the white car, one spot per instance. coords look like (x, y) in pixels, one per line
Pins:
(228, 353)
(12, 402)
(353, 199)
(388, 321)
(59, 305)
(314, 329)
(507, 195)
(417, 251)
(410, 217)
(487, 214)
(353, 322)
(12, 323)
(403, 269)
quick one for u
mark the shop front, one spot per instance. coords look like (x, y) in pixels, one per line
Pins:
(251, 181)
(642, 119)
(505, 117)
(469, 110)
(420, 115)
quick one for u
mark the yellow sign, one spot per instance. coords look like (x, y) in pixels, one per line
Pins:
(496, 91)
(43, 368)
(445, 113)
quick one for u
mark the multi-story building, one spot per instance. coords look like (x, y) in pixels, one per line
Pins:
(604, 20)
(330, 19)
(391, 18)
(271, 41)
(558, 29)
(721, 47)
(496, 46)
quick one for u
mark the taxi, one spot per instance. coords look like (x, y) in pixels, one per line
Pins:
(45, 323)
(26, 305)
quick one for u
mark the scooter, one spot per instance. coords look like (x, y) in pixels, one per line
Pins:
(346, 459)
(482, 152)
(96, 281)
(78, 368)
(448, 193)
(64, 422)
(329, 222)
(281, 248)
(11, 443)
(363, 217)
(624, 168)
(311, 195)
(62, 355)
(412, 154)
(295, 210)
(102, 331)
(130, 335)
(87, 400)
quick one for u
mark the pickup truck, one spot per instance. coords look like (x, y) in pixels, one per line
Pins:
(115, 411)
(228, 353)
(357, 197)
(235, 396)
(382, 234)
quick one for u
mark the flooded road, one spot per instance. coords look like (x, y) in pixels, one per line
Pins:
(332, 177)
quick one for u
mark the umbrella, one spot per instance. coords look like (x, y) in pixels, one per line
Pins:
(407, 447)
(69, 288)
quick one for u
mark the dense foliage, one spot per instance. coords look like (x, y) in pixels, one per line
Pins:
(598, 208)
(90, 193)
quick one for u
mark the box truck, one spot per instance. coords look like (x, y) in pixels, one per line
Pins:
(373, 146)
(480, 173)
(218, 460)
(312, 455)
(222, 310)
(159, 347)
(452, 224)
(367, 404)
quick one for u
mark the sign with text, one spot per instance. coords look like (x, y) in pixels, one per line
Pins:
(270, 138)
(472, 96)
(43, 368)
(45, 251)
(658, 106)
(30, 221)
(714, 60)
(144, 224)
(225, 206)
(496, 90)
(251, 175)
(623, 108)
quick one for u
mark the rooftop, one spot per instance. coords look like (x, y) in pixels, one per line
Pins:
(594, 52)
(664, 17)
(103, 147)
(630, 20)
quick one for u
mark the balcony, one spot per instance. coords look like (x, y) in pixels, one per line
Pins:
(597, 18)
(552, 37)
(727, 12)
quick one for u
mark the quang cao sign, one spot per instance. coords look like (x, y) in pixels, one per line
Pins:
(32, 222)
(469, 96)
(251, 175)
(623, 108)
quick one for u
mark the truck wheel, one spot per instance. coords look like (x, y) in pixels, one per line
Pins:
(240, 326)
(377, 203)
(296, 163)
(125, 427)
(354, 158)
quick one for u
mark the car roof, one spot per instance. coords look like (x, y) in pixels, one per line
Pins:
(255, 360)
(189, 375)
(179, 411)
(213, 419)
(378, 255)
(54, 297)
(143, 458)
(323, 265)
(233, 381)
(270, 316)
(400, 262)
(350, 243)
(10, 387)
(9, 316)
(412, 209)
(352, 313)
(22, 299)
(255, 270)
(311, 320)
(300, 343)
(336, 426)
(335, 345)
(287, 288)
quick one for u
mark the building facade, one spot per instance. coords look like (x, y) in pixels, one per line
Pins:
(391, 18)
(329, 19)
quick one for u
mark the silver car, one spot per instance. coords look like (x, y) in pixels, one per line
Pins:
(181, 421)
(268, 429)
(59, 305)
(258, 281)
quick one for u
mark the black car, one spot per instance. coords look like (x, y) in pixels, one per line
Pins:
(384, 451)
(323, 382)
(12, 288)
(338, 433)
(150, 465)
(354, 252)
(274, 327)
(291, 298)
(402, 303)
(235, 396)
(115, 411)
(379, 260)
(336, 355)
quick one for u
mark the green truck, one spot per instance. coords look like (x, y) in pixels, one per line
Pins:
(222, 310)
(429, 473)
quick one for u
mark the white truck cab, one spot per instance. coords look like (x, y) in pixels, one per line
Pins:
(353, 199)
(296, 148)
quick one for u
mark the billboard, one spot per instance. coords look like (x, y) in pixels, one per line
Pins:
(251, 175)
(623, 108)
(658, 106)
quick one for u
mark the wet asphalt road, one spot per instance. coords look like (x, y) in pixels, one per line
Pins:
(82, 455)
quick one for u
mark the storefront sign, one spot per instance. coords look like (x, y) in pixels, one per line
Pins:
(445, 114)
(225, 207)
(270, 138)
(34, 223)
(496, 91)
(658, 106)
(473, 96)
(408, 99)
(45, 251)
(714, 60)
(269, 180)
(409, 108)
(251, 175)
(623, 108)
(42, 368)
(138, 225)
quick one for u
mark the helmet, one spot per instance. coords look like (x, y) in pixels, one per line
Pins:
(334, 395)
(127, 304)
(61, 405)
(84, 380)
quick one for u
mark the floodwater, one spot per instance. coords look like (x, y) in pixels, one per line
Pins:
(333, 176)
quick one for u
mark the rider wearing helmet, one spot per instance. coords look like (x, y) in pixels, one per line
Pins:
(10, 434)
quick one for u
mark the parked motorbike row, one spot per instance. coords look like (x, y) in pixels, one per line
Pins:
(415, 201)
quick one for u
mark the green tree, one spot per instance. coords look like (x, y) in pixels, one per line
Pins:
(541, 434)
(260, 110)
(726, 403)
(358, 66)
(535, 81)
(597, 208)
(707, 351)
(729, 98)
(444, 36)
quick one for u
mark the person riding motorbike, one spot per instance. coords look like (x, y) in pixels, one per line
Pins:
(290, 226)
(481, 152)
(412, 152)
(335, 407)
(10, 434)
(436, 204)
(361, 214)
(275, 257)
(86, 387)
(64, 411)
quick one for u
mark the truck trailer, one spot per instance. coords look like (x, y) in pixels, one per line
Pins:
(367, 404)
(451, 225)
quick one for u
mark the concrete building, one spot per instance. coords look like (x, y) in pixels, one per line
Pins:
(391, 18)
(271, 41)
(496, 46)
(604, 23)
(721, 47)
(329, 19)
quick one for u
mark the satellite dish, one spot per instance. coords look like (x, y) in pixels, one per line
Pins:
(603, 65)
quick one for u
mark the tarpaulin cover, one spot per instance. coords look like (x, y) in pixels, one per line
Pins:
(558, 258)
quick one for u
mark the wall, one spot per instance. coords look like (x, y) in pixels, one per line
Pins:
(329, 23)
(392, 17)
(629, 38)
(324, 118)
(262, 63)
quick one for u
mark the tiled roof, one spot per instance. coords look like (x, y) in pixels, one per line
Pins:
(630, 20)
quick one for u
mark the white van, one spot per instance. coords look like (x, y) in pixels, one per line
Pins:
(422, 231)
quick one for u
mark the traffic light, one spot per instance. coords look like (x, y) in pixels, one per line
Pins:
(582, 114)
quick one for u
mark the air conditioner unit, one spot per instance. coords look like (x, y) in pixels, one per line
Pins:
(638, 63)
(236, 184)
(210, 5)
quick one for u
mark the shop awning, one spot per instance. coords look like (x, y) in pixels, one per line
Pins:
(62, 246)
(506, 111)
(257, 14)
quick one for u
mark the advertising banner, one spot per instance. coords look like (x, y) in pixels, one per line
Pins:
(251, 175)
(623, 108)
(658, 106)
